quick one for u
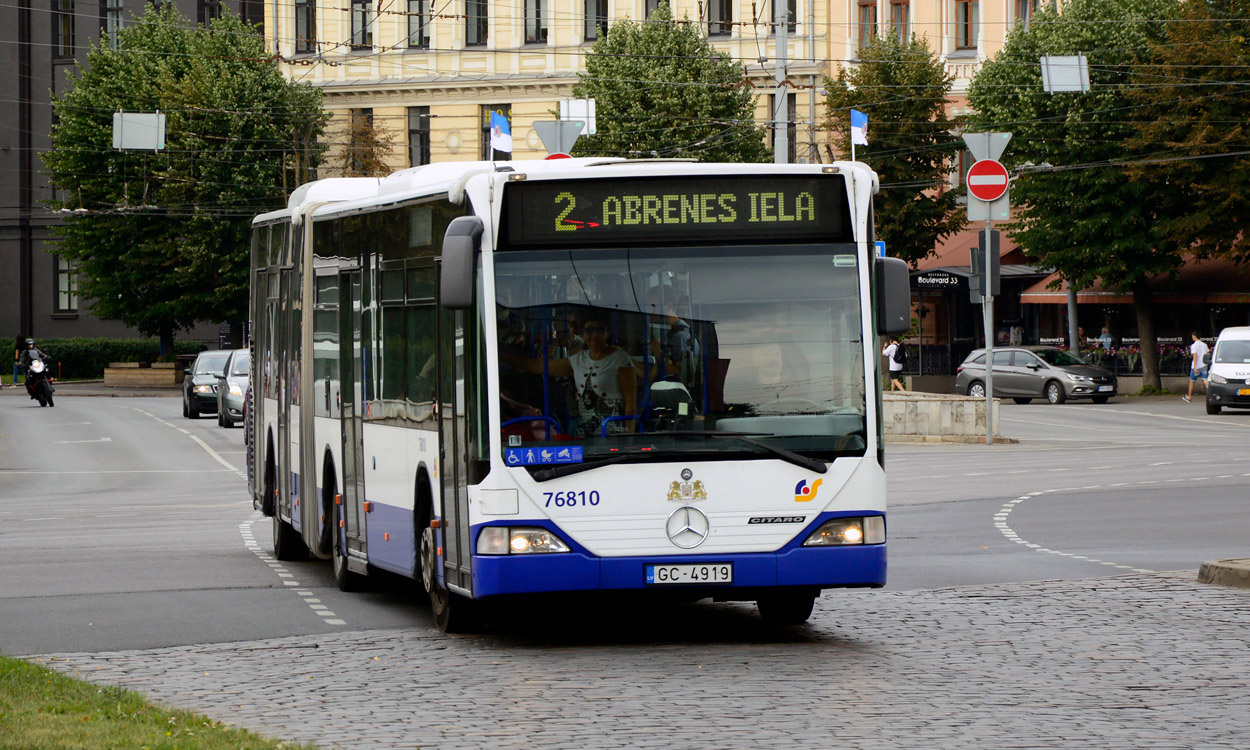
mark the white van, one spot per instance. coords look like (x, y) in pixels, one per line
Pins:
(1228, 382)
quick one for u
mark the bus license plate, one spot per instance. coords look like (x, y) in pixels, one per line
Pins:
(678, 574)
(1106, 387)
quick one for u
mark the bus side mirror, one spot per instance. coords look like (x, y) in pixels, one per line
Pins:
(893, 296)
(461, 245)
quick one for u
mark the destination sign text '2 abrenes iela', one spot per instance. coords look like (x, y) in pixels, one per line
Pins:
(745, 209)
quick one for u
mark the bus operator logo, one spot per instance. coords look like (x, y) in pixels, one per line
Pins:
(803, 493)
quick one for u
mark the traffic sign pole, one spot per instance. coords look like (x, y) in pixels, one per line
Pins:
(987, 182)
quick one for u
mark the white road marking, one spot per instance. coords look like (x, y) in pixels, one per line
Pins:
(97, 440)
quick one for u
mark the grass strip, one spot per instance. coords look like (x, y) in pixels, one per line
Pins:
(41, 708)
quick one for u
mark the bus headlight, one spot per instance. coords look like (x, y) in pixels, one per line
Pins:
(520, 540)
(847, 531)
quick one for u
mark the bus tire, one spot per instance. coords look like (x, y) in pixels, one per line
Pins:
(344, 578)
(452, 613)
(786, 608)
(287, 544)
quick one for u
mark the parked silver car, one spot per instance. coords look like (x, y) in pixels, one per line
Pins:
(231, 385)
(1024, 373)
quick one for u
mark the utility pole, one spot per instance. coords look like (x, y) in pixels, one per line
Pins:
(781, 112)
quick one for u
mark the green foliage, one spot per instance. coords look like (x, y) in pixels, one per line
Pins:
(81, 359)
(1082, 215)
(660, 90)
(40, 708)
(911, 143)
(161, 239)
(1193, 108)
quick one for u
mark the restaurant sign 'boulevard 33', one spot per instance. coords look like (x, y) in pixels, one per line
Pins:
(567, 212)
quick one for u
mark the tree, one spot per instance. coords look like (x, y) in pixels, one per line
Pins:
(1075, 208)
(367, 147)
(902, 87)
(661, 90)
(1195, 122)
(161, 240)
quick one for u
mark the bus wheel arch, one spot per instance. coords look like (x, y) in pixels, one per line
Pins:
(329, 488)
(269, 487)
(452, 612)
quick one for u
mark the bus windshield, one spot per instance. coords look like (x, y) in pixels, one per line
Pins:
(702, 351)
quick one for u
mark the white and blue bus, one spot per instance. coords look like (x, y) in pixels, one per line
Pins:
(577, 375)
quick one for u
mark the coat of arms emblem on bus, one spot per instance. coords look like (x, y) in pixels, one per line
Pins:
(686, 490)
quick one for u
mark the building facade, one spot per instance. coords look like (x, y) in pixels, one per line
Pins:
(428, 76)
(46, 42)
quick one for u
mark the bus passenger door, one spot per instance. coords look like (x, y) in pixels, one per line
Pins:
(453, 439)
(352, 390)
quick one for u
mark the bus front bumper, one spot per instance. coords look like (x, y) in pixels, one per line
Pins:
(812, 567)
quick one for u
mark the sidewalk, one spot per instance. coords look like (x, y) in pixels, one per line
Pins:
(93, 388)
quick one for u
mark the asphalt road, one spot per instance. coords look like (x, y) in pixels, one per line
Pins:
(127, 526)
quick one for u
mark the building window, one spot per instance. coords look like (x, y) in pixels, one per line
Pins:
(535, 22)
(866, 20)
(418, 136)
(488, 152)
(900, 19)
(362, 24)
(967, 19)
(792, 116)
(418, 24)
(111, 21)
(596, 19)
(66, 286)
(63, 29)
(652, 5)
(475, 30)
(360, 142)
(720, 16)
(252, 12)
(305, 26)
(208, 10)
(1024, 11)
(792, 14)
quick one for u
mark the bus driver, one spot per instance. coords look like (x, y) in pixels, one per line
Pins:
(605, 378)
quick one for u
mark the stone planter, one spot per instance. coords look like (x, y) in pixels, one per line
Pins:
(143, 375)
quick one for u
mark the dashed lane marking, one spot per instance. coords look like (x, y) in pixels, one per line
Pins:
(287, 577)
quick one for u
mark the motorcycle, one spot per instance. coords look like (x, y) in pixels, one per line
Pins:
(39, 382)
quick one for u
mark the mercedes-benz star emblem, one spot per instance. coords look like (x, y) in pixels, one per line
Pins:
(687, 527)
(686, 474)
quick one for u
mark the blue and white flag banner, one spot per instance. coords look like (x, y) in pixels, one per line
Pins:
(859, 128)
(500, 133)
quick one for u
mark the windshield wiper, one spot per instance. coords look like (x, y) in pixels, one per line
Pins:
(815, 465)
(564, 470)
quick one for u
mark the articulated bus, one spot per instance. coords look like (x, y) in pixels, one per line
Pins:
(577, 375)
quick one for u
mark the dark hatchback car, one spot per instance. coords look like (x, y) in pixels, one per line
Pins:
(199, 386)
(1028, 372)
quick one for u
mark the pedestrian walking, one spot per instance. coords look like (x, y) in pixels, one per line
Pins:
(1197, 366)
(892, 352)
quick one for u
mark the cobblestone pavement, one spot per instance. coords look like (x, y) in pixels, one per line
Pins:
(1131, 661)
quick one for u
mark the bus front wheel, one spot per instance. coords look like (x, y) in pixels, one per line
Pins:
(790, 608)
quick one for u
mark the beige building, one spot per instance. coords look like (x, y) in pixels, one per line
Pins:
(429, 74)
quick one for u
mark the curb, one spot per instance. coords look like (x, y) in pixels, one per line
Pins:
(1226, 573)
(969, 439)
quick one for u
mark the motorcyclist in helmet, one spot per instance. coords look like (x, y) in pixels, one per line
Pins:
(30, 354)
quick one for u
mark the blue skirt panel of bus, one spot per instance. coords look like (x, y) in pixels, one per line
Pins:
(579, 570)
(396, 553)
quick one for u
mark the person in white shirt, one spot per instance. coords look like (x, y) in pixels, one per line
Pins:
(605, 378)
(1197, 367)
(896, 367)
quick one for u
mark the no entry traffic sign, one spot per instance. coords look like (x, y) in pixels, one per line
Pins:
(987, 180)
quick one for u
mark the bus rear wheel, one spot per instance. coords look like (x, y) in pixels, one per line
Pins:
(452, 613)
(790, 608)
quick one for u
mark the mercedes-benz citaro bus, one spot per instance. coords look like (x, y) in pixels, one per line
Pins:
(577, 375)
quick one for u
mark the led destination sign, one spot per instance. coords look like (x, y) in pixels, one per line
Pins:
(746, 209)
